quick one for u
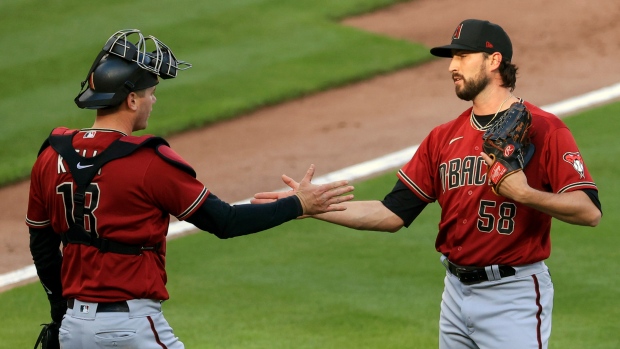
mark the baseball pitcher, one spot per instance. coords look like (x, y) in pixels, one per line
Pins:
(500, 172)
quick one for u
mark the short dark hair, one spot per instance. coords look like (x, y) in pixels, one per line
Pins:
(507, 71)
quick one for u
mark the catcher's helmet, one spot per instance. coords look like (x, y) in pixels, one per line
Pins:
(122, 67)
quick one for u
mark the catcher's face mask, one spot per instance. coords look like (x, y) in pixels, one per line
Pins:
(161, 61)
(122, 67)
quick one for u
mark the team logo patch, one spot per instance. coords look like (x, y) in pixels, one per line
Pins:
(457, 32)
(509, 150)
(577, 162)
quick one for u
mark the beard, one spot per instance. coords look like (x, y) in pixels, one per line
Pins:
(472, 87)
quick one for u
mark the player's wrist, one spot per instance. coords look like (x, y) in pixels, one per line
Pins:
(525, 195)
(58, 308)
(300, 204)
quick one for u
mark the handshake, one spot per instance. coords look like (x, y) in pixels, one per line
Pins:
(314, 198)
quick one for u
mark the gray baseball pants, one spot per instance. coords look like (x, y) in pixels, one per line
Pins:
(513, 312)
(143, 326)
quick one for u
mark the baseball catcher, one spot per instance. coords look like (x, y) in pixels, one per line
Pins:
(508, 144)
(110, 207)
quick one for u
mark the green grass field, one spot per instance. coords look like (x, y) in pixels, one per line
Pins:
(309, 284)
(245, 54)
(306, 284)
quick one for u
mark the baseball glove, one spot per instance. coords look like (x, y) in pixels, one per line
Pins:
(48, 338)
(507, 142)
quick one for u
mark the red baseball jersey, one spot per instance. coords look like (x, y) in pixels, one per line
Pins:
(477, 227)
(129, 201)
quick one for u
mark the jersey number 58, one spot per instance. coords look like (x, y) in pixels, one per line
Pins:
(500, 219)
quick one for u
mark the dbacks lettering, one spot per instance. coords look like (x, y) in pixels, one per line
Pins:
(493, 216)
(470, 170)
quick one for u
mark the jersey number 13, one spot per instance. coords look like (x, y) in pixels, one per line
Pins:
(91, 201)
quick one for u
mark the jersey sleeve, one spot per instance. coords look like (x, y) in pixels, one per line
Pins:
(228, 221)
(565, 169)
(171, 157)
(37, 214)
(174, 189)
(417, 174)
(404, 203)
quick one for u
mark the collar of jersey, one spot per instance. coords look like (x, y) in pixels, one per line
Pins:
(102, 130)
(480, 122)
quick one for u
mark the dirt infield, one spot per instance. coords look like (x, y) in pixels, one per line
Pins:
(563, 49)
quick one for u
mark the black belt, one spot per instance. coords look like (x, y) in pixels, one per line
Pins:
(474, 275)
(113, 307)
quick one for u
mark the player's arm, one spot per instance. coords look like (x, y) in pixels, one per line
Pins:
(399, 208)
(225, 221)
(575, 207)
(364, 215)
(45, 250)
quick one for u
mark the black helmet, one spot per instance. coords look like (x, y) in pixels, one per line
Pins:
(122, 67)
(112, 81)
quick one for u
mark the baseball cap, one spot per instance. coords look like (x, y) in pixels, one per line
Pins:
(479, 36)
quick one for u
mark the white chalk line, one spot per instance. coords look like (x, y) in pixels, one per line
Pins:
(366, 169)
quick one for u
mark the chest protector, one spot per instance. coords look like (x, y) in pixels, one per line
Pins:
(61, 140)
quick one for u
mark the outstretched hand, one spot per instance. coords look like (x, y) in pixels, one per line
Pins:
(314, 198)
(271, 196)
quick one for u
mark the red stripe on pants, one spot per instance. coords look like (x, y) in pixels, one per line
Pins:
(538, 334)
(155, 333)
